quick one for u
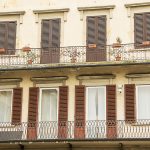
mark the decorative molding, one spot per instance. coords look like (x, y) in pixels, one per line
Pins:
(52, 78)
(139, 75)
(133, 5)
(90, 77)
(8, 80)
(7, 13)
(45, 11)
(93, 8)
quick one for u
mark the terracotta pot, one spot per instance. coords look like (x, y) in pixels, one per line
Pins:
(91, 45)
(118, 58)
(29, 61)
(26, 49)
(116, 45)
(2, 50)
(146, 43)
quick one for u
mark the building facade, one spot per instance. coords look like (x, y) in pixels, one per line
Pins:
(75, 74)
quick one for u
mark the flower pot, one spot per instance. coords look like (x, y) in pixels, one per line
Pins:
(73, 60)
(146, 43)
(26, 49)
(91, 45)
(30, 61)
(118, 58)
(116, 45)
(2, 50)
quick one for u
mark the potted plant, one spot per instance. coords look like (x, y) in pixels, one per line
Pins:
(118, 43)
(2, 50)
(26, 49)
(31, 57)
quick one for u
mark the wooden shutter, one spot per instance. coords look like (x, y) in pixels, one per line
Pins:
(96, 36)
(111, 111)
(79, 111)
(3, 29)
(17, 105)
(129, 102)
(147, 26)
(11, 37)
(63, 111)
(50, 41)
(33, 112)
(138, 29)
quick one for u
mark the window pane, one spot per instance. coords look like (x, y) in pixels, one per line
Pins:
(5, 106)
(96, 103)
(49, 105)
(143, 102)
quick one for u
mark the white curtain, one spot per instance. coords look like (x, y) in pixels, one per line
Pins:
(5, 106)
(143, 103)
(49, 105)
(96, 103)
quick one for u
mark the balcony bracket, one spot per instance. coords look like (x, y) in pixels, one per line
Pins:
(121, 146)
(21, 146)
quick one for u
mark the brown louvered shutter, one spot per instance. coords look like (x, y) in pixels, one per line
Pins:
(79, 131)
(63, 111)
(3, 29)
(138, 29)
(11, 37)
(50, 41)
(129, 102)
(96, 39)
(33, 112)
(147, 26)
(111, 111)
(17, 105)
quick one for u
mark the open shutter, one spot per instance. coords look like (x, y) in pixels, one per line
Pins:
(129, 102)
(111, 110)
(147, 26)
(50, 41)
(138, 29)
(63, 111)
(3, 29)
(17, 105)
(11, 43)
(79, 111)
(33, 112)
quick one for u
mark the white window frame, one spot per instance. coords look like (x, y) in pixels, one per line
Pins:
(143, 85)
(87, 88)
(40, 100)
(11, 90)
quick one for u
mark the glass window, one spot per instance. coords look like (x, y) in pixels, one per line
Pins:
(143, 102)
(48, 105)
(96, 103)
(5, 105)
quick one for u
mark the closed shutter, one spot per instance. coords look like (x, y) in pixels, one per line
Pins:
(33, 112)
(3, 29)
(63, 111)
(79, 111)
(11, 38)
(50, 41)
(129, 102)
(138, 29)
(111, 111)
(96, 36)
(17, 105)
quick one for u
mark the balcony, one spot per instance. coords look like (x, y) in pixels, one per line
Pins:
(74, 56)
(64, 131)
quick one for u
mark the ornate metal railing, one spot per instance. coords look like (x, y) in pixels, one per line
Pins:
(75, 55)
(89, 130)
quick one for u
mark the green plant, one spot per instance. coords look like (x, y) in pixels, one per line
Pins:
(118, 40)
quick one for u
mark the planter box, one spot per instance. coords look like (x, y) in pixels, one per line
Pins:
(146, 43)
(91, 45)
(116, 45)
(26, 49)
(2, 50)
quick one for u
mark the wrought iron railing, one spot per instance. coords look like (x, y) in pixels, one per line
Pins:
(75, 55)
(89, 130)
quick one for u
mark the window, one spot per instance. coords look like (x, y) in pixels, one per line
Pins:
(142, 27)
(5, 105)
(8, 36)
(96, 103)
(143, 101)
(48, 110)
